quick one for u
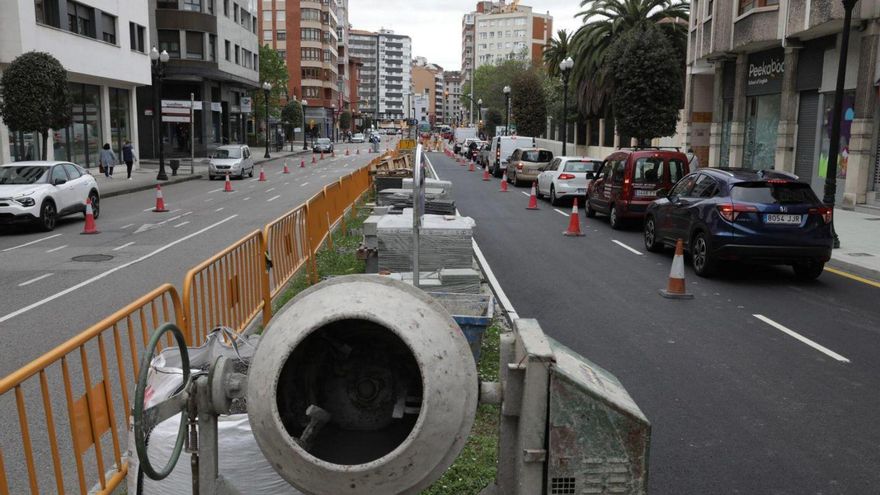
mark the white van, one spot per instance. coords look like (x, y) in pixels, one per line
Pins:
(462, 133)
(501, 149)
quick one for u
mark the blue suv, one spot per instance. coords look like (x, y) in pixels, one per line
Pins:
(731, 214)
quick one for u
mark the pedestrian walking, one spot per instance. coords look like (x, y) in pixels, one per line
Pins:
(108, 160)
(128, 157)
(693, 160)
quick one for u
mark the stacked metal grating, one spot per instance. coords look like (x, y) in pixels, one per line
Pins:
(445, 242)
(436, 200)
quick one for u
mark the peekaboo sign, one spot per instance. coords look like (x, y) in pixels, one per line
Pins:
(765, 71)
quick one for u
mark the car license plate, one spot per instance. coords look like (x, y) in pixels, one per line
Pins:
(645, 193)
(582, 191)
(783, 219)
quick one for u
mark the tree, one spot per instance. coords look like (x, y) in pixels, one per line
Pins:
(528, 106)
(493, 120)
(273, 69)
(292, 114)
(345, 120)
(556, 52)
(489, 80)
(366, 122)
(34, 95)
(605, 22)
(647, 84)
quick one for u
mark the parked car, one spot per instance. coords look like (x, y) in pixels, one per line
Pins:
(41, 192)
(567, 176)
(322, 145)
(502, 148)
(630, 180)
(358, 138)
(232, 159)
(743, 215)
(526, 163)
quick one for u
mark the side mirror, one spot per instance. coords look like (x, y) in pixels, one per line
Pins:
(59, 182)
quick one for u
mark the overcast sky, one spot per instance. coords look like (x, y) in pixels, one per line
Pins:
(435, 25)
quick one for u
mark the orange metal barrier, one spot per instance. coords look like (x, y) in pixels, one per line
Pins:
(287, 247)
(77, 456)
(230, 288)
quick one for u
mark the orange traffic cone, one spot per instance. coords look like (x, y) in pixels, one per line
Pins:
(262, 174)
(228, 186)
(302, 164)
(533, 199)
(286, 170)
(574, 223)
(675, 288)
(485, 174)
(313, 158)
(160, 200)
(346, 152)
(504, 182)
(471, 166)
(90, 227)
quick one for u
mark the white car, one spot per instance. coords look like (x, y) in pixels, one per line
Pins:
(40, 192)
(358, 138)
(567, 176)
(232, 159)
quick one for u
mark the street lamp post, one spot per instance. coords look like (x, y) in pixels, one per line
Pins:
(479, 114)
(446, 107)
(305, 145)
(158, 61)
(333, 117)
(267, 90)
(836, 112)
(565, 69)
(507, 107)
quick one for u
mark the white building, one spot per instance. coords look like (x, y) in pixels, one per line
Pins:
(104, 45)
(384, 97)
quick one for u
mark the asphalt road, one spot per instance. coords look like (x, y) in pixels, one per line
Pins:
(736, 405)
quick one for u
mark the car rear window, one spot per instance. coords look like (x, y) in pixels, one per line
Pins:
(582, 166)
(536, 156)
(648, 170)
(773, 193)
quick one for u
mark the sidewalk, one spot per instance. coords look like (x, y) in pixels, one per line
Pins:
(144, 177)
(859, 251)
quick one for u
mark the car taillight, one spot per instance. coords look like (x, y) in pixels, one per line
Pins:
(731, 211)
(566, 176)
(627, 188)
(826, 212)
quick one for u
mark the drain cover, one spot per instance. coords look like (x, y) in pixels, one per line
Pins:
(93, 257)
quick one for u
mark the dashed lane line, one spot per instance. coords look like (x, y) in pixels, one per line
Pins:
(59, 248)
(31, 243)
(123, 246)
(624, 246)
(557, 210)
(273, 198)
(37, 279)
(824, 350)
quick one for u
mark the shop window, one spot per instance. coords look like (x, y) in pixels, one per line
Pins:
(108, 26)
(119, 117)
(80, 19)
(80, 142)
(762, 123)
(169, 40)
(136, 37)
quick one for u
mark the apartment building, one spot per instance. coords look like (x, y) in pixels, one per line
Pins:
(427, 79)
(760, 84)
(386, 74)
(452, 108)
(103, 84)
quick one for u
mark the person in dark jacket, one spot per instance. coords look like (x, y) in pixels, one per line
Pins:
(128, 156)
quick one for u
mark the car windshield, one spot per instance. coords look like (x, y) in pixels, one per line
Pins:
(581, 166)
(536, 156)
(323, 141)
(648, 170)
(773, 193)
(25, 174)
(228, 153)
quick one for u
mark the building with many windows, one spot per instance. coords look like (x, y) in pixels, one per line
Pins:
(760, 84)
(386, 75)
(104, 50)
(427, 79)
(452, 107)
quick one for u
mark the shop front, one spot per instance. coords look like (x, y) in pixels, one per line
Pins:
(763, 101)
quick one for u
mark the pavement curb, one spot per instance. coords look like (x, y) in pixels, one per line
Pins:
(873, 275)
(145, 187)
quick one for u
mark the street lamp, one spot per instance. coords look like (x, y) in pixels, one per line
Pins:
(333, 128)
(507, 106)
(446, 107)
(479, 114)
(565, 69)
(836, 112)
(158, 62)
(267, 89)
(304, 103)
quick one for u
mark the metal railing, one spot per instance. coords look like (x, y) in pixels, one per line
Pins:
(287, 247)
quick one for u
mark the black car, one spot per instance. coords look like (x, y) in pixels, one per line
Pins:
(323, 145)
(760, 216)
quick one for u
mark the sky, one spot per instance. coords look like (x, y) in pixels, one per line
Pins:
(435, 25)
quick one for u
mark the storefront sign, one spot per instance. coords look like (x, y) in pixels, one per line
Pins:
(176, 118)
(216, 106)
(246, 103)
(166, 104)
(765, 71)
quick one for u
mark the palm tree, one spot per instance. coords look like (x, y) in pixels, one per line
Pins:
(556, 51)
(604, 22)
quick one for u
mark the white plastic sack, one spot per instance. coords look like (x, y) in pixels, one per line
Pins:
(241, 462)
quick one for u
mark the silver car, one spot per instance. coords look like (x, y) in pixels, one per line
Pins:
(232, 159)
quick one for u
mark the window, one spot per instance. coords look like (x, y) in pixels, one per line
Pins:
(237, 59)
(267, 15)
(46, 12)
(227, 49)
(210, 6)
(683, 187)
(226, 8)
(72, 171)
(108, 26)
(310, 34)
(648, 171)
(281, 35)
(677, 170)
(747, 5)
(193, 5)
(282, 54)
(311, 54)
(58, 173)
(136, 35)
(212, 47)
(169, 40)
(706, 187)
(80, 19)
(774, 194)
(256, 62)
(167, 4)
(280, 16)
(310, 15)
(235, 12)
(267, 35)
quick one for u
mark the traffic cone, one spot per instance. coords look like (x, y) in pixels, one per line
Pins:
(313, 159)
(675, 288)
(286, 170)
(485, 174)
(504, 182)
(346, 152)
(574, 223)
(262, 174)
(302, 164)
(160, 200)
(90, 227)
(471, 166)
(228, 186)
(533, 199)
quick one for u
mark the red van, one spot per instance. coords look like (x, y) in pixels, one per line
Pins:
(630, 179)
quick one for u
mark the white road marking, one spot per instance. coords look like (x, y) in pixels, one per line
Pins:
(324, 176)
(287, 183)
(247, 199)
(270, 189)
(181, 224)
(215, 190)
(219, 209)
(109, 272)
(30, 243)
(59, 248)
(123, 246)
(624, 246)
(185, 214)
(527, 194)
(209, 200)
(304, 184)
(126, 226)
(273, 198)
(41, 277)
(557, 210)
(792, 333)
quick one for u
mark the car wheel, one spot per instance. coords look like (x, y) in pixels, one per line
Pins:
(538, 193)
(48, 216)
(613, 219)
(211, 177)
(704, 264)
(96, 204)
(808, 270)
(651, 243)
(251, 173)
(588, 210)
(553, 199)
